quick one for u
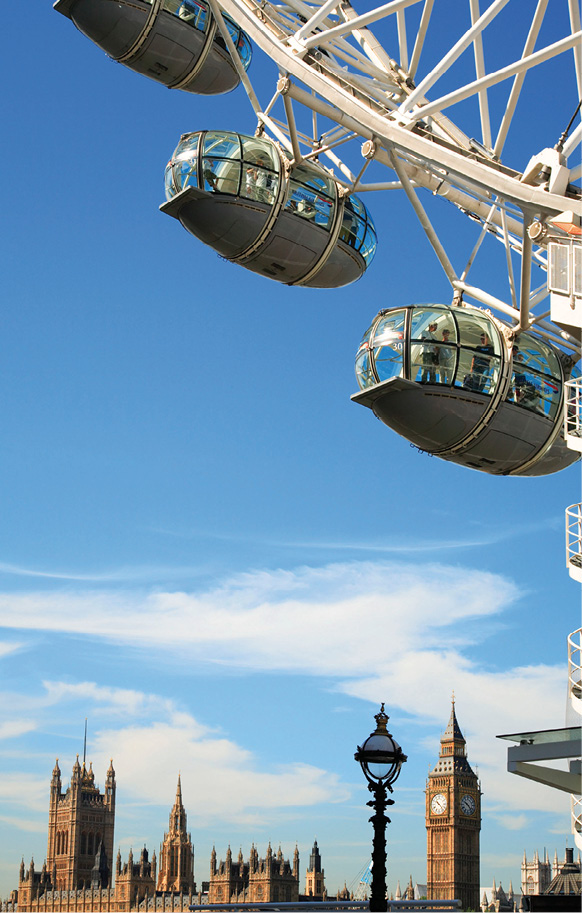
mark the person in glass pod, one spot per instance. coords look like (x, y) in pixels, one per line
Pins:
(239, 195)
(493, 401)
(175, 42)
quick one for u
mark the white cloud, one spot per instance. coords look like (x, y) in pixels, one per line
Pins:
(253, 615)
(11, 729)
(113, 701)
(430, 626)
(219, 778)
(30, 825)
(8, 647)
(21, 789)
(512, 822)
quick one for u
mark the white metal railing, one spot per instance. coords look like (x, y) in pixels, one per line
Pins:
(577, 820)
(575, 667)
(575, 691)
(314, 906)
(573, 408)
(574, 539)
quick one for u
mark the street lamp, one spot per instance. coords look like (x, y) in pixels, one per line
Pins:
(380, 758)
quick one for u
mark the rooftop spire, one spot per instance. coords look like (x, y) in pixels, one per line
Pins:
(453, 730)
(178, 815)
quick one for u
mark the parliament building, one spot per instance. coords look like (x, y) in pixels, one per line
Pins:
(79, 874)
(78, 871)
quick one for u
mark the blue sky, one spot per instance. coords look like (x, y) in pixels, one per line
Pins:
(205, 548)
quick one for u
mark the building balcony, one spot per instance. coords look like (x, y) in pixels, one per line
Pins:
(575, 670)
(577, 820)
(573, 413)
(574, 541)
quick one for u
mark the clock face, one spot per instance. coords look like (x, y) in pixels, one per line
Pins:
(468, 805)
(438, 804)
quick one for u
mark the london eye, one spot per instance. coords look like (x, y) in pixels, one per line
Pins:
(365, 105)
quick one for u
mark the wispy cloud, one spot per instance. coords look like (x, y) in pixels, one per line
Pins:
(11, 729)
(264, 609)
(129, 574)
(257, 621)
(479, 536)
(221, 778)
(10, 646)
(19, 823)
(22, 789)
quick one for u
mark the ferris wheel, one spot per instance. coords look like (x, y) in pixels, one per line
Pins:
(435, 99)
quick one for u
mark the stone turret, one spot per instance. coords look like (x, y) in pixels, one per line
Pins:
(100, 871)
(76, 774)
(314, 877)
(177, 853)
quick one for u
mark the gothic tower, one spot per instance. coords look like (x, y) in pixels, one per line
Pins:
(314, 877)
(453, 823)
(80, 820)
(176, 852)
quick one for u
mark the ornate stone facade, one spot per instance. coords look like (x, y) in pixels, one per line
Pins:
(80, 820)
(77, 875)
(535, 874)
(176, 853)
(262, 880)
(453, 823)
(495, 900)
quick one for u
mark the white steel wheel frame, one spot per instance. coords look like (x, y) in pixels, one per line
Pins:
(330, 63)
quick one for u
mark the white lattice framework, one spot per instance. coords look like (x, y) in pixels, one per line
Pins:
(575, 668)
(573, 413)
(574, 539)
(575, 689)
(577, 820)
(393, 96)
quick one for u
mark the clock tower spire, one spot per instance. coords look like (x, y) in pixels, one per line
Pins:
(453, 822)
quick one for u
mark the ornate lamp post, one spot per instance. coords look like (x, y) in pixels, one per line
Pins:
(380, 758)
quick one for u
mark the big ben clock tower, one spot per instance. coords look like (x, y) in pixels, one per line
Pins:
(453, 822)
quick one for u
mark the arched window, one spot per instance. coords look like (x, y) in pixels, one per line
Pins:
(83, 843)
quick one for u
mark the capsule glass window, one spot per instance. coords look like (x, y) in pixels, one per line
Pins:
(239, 39)
(536, 380)
(368, 248)
(479, 355)
(182, 169)
(260, 170)
(311, 197)
(193, 12)
(221, 165)
(388, 345)
(364, 368)
(433, 352)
